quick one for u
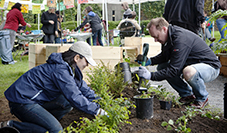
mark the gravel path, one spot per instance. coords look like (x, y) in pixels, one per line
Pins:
(215, 89)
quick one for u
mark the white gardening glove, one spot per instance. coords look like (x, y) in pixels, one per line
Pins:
(144, 73)
(101, 112)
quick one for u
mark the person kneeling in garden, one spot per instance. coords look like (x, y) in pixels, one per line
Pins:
(185, 61)
(44, 94)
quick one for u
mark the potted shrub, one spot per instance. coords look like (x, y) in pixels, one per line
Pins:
(164, 99)
(144, 105)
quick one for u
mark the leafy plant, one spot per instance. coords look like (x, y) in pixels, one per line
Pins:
(145, 95)
(103, 75)
(117, 108)
(180, 124)
(175, 101)
(220, 47)
(164, 95)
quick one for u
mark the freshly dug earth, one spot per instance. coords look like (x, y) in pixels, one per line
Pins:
(197, 124)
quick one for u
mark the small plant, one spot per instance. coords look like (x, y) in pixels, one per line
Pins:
(175, 102)
(164, 95)
(181, 123)
(145, 95)
(105, 76)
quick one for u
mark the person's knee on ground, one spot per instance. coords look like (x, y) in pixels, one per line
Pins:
(189, 72)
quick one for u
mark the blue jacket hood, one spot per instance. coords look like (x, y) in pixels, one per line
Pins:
(55, 58)
(92, 14)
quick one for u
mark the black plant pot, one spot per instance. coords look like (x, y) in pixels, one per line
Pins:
(8, 130)
(125, 68)
(144, 107)
(165, 104)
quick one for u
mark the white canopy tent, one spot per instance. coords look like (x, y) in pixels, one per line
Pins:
(105, 12)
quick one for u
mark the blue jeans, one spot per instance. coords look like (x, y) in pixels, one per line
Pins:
(195, 85)
(220, 23)
(57, 40)
(95, 35)
(40, 118)
(6, 47)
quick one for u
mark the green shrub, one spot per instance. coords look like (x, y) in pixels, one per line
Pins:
(117, 108)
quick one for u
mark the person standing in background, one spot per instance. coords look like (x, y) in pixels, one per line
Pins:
(95, 22)
(185, 13)
(49, 21)
(127, 13)
(133, 21)
(8, 34)
(59, 36)
(220, 21)
(207, 30)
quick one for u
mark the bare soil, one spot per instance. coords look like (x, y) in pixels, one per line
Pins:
(197, 124)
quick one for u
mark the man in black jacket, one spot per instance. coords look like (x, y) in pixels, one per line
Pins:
(185, 61)
(49, 21)
(185, 13)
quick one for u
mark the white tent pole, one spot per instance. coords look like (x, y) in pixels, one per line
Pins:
(139, 12)
(103, 11)
(78, 14)
(38, 20)
(133, 5)
(213, 21)
(107, 23)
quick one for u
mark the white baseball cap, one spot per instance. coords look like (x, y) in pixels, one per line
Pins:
(84, 49)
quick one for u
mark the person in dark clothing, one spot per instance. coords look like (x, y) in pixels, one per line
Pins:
(185, 13)
(95, 24)
(185, 61)
(127, 11)
(49, 21)
(45, 93)
(59, 36)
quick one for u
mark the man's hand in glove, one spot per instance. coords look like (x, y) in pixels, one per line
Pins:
(139, 60)
(77, 28)
(101, 112)
(144, 73)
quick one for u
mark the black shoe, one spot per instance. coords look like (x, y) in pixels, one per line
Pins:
(187, 100)
(212, 39)
(5, 63)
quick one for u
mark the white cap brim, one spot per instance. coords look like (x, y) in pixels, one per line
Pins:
(91, 61)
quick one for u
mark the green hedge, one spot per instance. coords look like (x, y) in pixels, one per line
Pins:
(73, 24)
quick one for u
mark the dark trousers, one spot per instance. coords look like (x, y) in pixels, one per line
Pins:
(49, 38)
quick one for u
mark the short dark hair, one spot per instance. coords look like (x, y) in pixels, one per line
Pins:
(89, 8)
(68, 56)
(17, 6)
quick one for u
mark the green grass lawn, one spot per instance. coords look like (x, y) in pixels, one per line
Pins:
(10, 73)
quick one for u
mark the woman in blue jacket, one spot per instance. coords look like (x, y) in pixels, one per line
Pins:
(44, 94)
